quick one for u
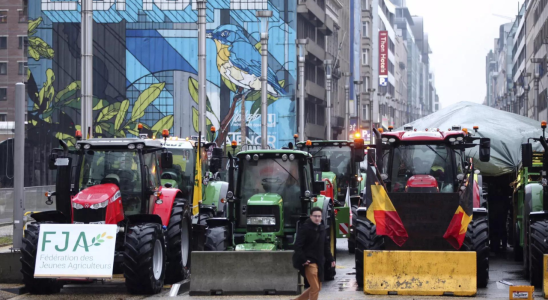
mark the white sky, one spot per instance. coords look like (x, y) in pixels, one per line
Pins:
(461, 33)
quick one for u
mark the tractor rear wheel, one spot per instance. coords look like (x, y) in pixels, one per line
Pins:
(366, 239)
(144, 259)
(28, 264)
(352, 233)
(216, 238)
(477, 239)
(329, 271)
(537, 249)
(179, 239)
(518, 250)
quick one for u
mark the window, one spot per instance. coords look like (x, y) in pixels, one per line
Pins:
(365, 112)
(22, 67)
(22, 16)
(3, 117)
(365, 29)
(320, 118)
(365, 57)
(3, 16)
(3, 42)
(23, 42)
(3, 93)
(366, 83)
(3, 68)
(365, 4)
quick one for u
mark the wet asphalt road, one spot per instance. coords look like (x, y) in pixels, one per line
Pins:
(343, 287)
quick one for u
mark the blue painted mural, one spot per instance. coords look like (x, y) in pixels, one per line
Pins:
(145, 68)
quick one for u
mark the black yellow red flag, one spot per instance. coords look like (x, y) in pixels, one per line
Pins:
(463, 216)
(381, 211)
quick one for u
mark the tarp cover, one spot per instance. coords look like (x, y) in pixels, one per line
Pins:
(507, 132)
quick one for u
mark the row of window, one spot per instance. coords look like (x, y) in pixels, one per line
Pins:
(315, 114)
(23, 16)
(4, 68)
(23, 42)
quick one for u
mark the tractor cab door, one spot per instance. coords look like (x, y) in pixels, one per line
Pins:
(152, 179)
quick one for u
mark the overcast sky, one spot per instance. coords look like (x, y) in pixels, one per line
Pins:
(461, 33)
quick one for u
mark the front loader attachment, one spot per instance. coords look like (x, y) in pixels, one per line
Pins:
(243, 273)
(420, 273)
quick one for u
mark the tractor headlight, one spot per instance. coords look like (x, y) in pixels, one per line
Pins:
(77, 206)
(131, 146)
(77, 146)
(261, 221)
(87, 146)
(99, 205)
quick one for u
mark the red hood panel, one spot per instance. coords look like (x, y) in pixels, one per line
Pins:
(97, 194)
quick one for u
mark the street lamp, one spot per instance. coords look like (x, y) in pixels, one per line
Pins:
(371, 95)
(202, 66)
(263, 16)
(357, 84)
(328, 64)
(301, 44)
(347, 103)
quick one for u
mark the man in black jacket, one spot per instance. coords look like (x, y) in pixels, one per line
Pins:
(312, 253)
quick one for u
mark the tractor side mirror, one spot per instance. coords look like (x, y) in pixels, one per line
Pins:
(324, 164)
(318, 186)
(216, 160)
(527, 155)
(485, 149)
(359, 154)
(167, 160)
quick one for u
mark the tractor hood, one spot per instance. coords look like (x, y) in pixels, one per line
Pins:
(97, 194)
(265, 199)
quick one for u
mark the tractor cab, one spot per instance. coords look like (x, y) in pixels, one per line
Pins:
(273, 189)
(122, 173)
(343, 168)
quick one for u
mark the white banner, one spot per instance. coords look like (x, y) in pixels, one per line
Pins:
(75, 251)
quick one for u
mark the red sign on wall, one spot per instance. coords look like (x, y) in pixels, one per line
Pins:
(383, 53)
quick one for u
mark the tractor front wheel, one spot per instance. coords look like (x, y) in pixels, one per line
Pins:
(28, 264)
(366, 239)
(144, 259)
(537, 249)
(178, 238)
(216, 238)
(477, 239)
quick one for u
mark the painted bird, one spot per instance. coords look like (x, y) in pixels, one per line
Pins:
(239, 61)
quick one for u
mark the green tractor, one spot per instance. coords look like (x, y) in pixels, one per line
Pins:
(530, 201)
(344, 177)
(273, 194)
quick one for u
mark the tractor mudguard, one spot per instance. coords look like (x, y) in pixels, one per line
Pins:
(144, 218)
(480, 213)
(342, 221)
(538, 216)
(54, 216)
(333, 179)
(215, 191)
(168, 198)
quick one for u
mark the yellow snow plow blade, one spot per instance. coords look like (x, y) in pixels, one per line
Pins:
(420, 273)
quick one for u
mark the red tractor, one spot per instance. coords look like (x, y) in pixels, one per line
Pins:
(117, 181)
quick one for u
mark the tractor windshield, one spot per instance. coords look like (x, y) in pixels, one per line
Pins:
(435, 160)
(182, 172)
(274, 175)
(340, 161)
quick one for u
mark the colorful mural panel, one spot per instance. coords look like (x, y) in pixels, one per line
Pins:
(145, 69)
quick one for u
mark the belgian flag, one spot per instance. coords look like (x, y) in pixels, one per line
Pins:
(381, 211)
(463, 216)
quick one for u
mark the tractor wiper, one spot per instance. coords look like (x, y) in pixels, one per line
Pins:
(444, 159)
(285, 170)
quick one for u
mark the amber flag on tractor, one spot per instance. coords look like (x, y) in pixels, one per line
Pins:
(463, 216)
(197, 194)
(381, 211)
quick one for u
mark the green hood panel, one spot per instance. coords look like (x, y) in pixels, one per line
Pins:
(265, 199)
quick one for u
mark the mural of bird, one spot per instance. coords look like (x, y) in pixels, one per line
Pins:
(239, 62)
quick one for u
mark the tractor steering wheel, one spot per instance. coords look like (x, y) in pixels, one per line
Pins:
(271, 185)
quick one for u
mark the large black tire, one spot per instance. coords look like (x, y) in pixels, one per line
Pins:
(477, 239)
(203, 216)
(144, 259)
(179, 240)
(366, 239)
(28, 260)
(351, 243)
(330, 272)
(537, 249)
(216, 238)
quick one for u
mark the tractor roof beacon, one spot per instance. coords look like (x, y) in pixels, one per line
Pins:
(530, 208)
(422, 172)
(154, 222)
(272, 196)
